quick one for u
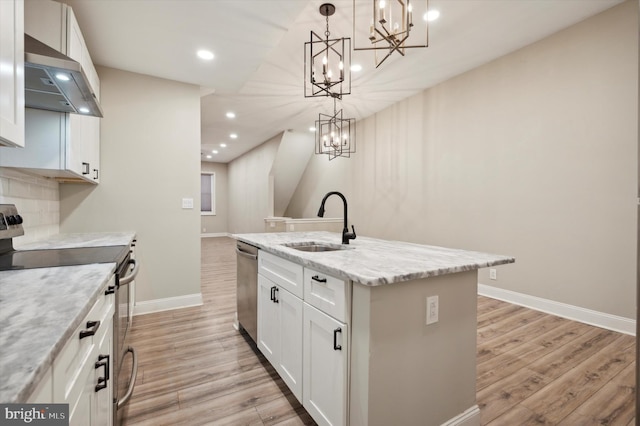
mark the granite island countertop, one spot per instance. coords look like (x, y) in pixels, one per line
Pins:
(40, 308)
(371, 261)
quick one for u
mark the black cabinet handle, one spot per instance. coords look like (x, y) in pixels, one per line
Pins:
(95, 172)
(92, 327)
(273, 292)
(336, 346)
(110, 290)
(85, 168)
(317, 278)
(103, 361)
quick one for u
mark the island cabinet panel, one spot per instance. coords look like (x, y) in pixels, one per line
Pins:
(325, 369)
(280, 332)
(327, 293)
(286, 274)
(404, 371)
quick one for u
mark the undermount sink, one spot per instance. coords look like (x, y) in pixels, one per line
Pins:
(316, 247)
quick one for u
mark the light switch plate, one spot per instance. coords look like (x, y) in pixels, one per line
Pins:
(187, 203)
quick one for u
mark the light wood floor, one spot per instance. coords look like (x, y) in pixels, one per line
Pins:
(533, 368)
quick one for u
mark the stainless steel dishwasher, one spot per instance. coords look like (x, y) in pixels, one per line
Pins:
(247, 288)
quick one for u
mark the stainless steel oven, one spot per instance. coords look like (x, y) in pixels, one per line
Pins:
(125, 359)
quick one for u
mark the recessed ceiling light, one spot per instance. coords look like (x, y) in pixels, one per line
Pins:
(356, 67)
(62, 77)
(431, 15)
(233, 136)
(84, 110)
(215, 151)
(231, 114)
(223, 145)
(312, 129)
(208, 156)
(205, 54)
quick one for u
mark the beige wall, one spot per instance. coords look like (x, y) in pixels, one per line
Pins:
(249, 188)
(218, 223)
(150, 160)
(532, 155)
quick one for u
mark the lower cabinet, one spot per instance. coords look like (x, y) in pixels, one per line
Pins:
(280, 332)
(306, 339)
(324, 375)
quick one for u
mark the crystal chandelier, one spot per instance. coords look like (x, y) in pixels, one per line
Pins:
(327, 62)
(335, 136)
(390, 26)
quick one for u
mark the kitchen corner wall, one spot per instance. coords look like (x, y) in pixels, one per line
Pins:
(37, 201)
(150, 161)
(532, 155)
(250, 189)
(216, 224)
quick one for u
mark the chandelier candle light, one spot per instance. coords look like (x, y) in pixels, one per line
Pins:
(327, 62)
(335, 136)
(391, 24)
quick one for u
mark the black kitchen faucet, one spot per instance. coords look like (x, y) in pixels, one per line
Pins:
(346, 235)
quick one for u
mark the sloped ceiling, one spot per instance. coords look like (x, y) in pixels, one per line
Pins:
(258, 69)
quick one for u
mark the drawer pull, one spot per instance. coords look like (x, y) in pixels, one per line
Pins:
(336, 346)
(92, 327)
(110, 290)
(85, 168)
(103, 361)
(274, 294)
(317, 278)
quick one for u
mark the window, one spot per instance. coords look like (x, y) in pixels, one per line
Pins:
(207, 193)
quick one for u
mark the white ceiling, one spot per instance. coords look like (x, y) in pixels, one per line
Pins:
(259, 50)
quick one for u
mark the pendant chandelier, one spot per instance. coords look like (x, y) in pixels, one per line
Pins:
(335, 136)
(389, 26)
(327, 62)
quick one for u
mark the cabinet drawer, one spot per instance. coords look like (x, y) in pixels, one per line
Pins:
(327, 293)
(287, 274)
(71, 360)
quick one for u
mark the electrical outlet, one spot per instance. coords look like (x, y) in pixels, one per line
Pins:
(432, 309)
(493, 274)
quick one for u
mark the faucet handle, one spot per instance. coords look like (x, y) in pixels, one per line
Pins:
(352, 236)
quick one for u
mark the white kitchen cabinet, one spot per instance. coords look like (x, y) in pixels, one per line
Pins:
(280, 332)
(59, 145)
(82, 371)
(12, 74)
(325, 367)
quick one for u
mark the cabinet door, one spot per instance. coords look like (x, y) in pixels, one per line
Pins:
(102, 408)
(268, 319)
(290, 327)
(324, 367)
(12, 75)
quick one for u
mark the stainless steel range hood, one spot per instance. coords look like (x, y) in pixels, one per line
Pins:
(56, 82)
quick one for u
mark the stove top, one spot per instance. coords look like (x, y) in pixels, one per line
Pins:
(30, 259)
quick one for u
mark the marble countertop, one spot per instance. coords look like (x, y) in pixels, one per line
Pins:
(371, 261)
(40, 308)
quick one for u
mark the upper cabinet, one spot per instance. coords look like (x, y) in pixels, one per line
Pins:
(55, 25)
(12, 75)
(62, 145)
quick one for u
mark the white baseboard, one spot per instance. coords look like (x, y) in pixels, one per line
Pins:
(470, 417)
(575, 313)
(215, 234)
(159, 305)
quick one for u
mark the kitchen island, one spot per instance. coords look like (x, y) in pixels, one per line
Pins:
(40, 309)
(399, 370)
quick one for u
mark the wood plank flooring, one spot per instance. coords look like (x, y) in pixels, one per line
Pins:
(533, 368)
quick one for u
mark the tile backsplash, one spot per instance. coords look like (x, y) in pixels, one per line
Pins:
(37, 199)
